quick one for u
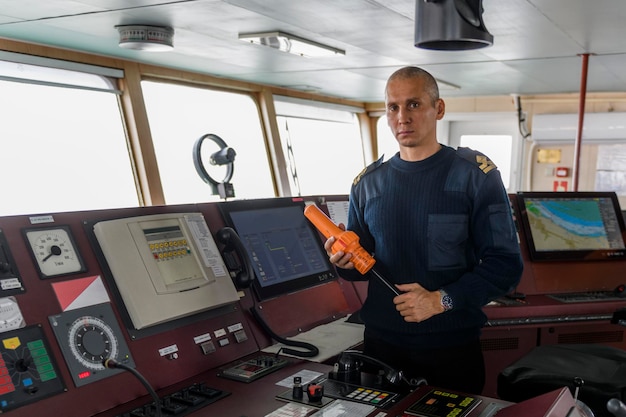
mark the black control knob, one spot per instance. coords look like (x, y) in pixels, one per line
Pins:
(22, 365)
(297, 391)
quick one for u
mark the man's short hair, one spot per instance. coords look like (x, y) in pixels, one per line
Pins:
(430, 84)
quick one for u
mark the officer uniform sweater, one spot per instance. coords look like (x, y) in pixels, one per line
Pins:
(444, 222)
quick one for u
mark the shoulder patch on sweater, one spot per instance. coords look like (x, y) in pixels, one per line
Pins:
(484, 164)
(371, 167)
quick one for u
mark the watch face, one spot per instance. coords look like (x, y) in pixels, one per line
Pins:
(54, 251)
(446, 300)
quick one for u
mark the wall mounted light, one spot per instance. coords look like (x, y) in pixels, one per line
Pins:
(291, 43)
(450, 25)
(146, 38)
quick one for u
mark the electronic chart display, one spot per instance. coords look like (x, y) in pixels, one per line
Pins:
(573, 225)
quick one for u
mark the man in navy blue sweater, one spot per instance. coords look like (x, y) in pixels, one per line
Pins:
(439, 224)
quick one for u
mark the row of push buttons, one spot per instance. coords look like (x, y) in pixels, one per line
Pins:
(171, 244)
(368, 395)
(171, 254)
(163, 250)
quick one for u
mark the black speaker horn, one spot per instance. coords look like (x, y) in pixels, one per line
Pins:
(450, 25)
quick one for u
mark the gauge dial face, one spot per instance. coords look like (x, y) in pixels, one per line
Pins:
(87, 336)
(54, 251)
(91, 341)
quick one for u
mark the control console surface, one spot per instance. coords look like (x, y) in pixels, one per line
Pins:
(253, 369)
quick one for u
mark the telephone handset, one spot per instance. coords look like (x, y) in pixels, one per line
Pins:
(241, 268)
(244, 275)
(350, 368)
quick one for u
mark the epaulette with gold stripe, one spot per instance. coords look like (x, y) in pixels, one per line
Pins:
(371, 167)
(482, 161)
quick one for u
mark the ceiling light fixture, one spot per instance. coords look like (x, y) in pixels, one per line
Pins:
(450, 25)
(291, 43)
(146, 38)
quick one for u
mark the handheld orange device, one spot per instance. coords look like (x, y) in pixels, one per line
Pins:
(346, 241)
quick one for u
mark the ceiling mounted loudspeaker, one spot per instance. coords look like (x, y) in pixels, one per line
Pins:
(146, 38)
(450, 25)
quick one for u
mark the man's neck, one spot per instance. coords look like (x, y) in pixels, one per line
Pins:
(419, 153)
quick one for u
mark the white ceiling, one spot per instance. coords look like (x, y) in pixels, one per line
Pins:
(537, 43)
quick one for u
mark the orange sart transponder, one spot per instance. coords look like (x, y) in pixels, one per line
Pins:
(346, 241)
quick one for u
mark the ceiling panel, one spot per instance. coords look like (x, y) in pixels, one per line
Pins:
(537, 43)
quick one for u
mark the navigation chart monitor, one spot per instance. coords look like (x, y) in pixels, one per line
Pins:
(576, 226)
(286, 252)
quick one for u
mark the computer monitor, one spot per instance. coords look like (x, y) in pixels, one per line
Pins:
(572, 226)
(285, 250)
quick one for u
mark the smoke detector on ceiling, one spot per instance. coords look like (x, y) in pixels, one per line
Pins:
(146, 37)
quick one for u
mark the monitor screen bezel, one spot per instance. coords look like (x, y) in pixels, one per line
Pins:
(294, 285)
(570, 255)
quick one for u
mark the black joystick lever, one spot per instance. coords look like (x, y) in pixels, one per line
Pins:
(578, 382)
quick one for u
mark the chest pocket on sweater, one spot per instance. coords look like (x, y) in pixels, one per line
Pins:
(447, 235)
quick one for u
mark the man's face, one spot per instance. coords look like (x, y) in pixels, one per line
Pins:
(410, 112)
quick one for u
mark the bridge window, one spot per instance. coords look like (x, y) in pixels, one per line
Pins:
(387, 144)
(179, 115)
(322, 145)
(497, 147)
(64, 146)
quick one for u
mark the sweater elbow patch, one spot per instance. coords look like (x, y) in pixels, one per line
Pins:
(502, 229)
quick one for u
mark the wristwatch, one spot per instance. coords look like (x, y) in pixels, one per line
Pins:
(446, 301)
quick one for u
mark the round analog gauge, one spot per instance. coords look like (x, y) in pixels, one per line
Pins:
(91, 341)
(54, 251)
